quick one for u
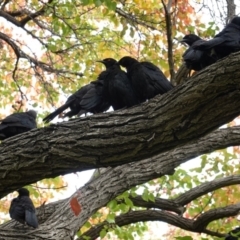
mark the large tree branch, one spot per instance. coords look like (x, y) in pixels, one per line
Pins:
(167, 217)
(176, 205)
(189, 111)
(205, 188)
(100, 191)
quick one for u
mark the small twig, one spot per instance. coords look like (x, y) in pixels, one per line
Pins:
(23, 95)
(47, 188)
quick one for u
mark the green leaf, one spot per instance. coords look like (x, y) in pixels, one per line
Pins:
(97, 3)
(103, 233)
(87, 224)
(111, 5)
(112, 204)
(145, 196)
(151, 197)
(86, 2)
(128, 202)
(111, 218)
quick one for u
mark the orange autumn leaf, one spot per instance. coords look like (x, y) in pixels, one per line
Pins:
(75, 206)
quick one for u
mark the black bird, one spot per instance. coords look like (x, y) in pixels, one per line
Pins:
(117, 86)
(147, 79)
(196, 59)
(23, 210)
(97, 98)
(73, 102)
(89, 98)
(236, 232)
(225, 42)
(17, 123)
(94, 101)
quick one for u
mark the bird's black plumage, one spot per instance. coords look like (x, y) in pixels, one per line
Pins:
(225, 42)
(147, 79)
(73, 102)
(89, 98)
(17, 123)
(193, 58)
(23, 210)
(235, 232)
(94, 101)
(117, 87)
(97, 99)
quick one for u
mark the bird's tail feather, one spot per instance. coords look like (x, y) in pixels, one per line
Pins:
(52, 115)
(31, 218)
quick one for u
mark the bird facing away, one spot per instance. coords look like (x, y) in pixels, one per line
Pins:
(147, 79)
(23, 210)
(225, 42)
(117, 86)
(196, 59)
(17, 123)
(235, 232)
(89, 98)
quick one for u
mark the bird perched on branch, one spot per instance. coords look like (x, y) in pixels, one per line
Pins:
(225, 42)
(89, 98)
(23, 210)
(73, 102)
(117, 86)
(196, 59)
(147, 79)
(17, 123)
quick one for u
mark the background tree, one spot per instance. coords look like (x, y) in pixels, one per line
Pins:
(48, 50)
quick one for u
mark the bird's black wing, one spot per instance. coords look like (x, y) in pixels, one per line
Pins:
(73, 102)
(194, 59)
(21, 119)
(31, 218)
(94, 101)
(228, 37)
(198, 59)
(120, 90)
(156, 78)
(17, 211)
(76, 107)
(206, 45)
(29, 209)
(17, 123)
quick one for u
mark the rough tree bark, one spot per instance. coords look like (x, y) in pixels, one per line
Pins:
(166, 123)
(58, 216)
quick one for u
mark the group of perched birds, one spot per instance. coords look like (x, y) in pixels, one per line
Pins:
(119, 89)
(141, 81)
(202, 53)
(113, 87)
